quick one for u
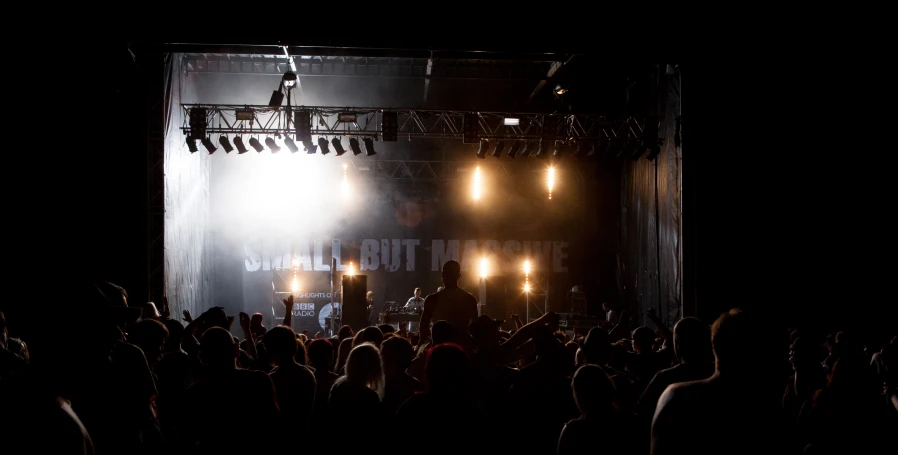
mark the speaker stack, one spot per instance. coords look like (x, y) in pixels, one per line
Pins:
(355, 311)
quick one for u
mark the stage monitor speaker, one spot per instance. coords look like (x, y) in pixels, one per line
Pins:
(355, 312)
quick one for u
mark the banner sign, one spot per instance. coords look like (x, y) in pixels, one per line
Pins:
(394, 255)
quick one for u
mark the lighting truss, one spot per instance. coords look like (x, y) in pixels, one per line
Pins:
(416, 123)
(439, 171)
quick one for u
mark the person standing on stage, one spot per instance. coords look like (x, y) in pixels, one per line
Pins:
(415, 303)
(452, 304)
(369, 303)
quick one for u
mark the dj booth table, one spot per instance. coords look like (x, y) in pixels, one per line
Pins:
(395, 319)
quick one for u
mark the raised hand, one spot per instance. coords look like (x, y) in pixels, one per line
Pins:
(187, 316)
(166, 311)
(288, 302)
(244, 321)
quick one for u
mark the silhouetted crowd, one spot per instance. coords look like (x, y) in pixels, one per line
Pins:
(101, 375)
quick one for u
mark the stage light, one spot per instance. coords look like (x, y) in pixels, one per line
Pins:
(338, 147)
(350, 271)
(528, 145)
(526, 287)
(559, 149)
(209, 145)
(354, 145)
(254, 143)
(191, 145)
(527, 268)
(481, 152)
(515, 146)
(289, 80)
(511, 121)
(483, 270)
(369, 146)
(295, 263)
(288, 141)
(295, 285)
(550, 180)
(498, 150)
(238, 142)
(541, 152)
(476, 184)
(223, 140)
(273, 146)
(322, 144)
(311, 148)
(346, 117)
(560, 90)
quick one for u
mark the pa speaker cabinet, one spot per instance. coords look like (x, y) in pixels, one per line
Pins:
(355, 312)
(495, 298)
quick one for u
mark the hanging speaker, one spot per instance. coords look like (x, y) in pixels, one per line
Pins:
(354, 305)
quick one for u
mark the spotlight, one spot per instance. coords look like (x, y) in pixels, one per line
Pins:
(288, 141)
(354, 145)
(322, 144)
(209, 145)
(515, 146)
(560, 89)
(289, 80)
(238, 142)
(528, 145)
(369, 146)
(191, 145)
(311, 148)
(223, 140)
(498, 151)
(254, 143)
(511, 121)
(338, 147)
(272, 145)
(542, 152)
(559, 149)
(481, 152)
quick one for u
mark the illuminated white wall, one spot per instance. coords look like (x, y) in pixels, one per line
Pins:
(188, 267)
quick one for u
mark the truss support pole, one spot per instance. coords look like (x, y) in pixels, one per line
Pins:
(159, 71)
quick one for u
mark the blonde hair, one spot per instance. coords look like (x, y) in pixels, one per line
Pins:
(364, 367)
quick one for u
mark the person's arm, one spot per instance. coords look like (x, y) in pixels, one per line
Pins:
(430, 304)
(248, 336)
(288, 306)
(665, 332)
(508, 350)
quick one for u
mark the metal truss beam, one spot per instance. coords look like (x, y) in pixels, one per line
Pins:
(324, 51)
(156, 103)
(427, 68)
(418, 123)
(435, 171)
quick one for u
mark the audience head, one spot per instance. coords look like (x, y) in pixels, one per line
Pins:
(344, 333)
(218, 350)
(175, 334)
(281, 344)
(255, 321)
(371, 335)
(692, 341)
(484, 330)
(593, 390)
(442, 332)
(596, 346)
(386, 328)
(643, 339)
(447, 371)
(321, 354)
(150, 336)
(364, 367)
(397, 355)
(451, 273)
(738, 348)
